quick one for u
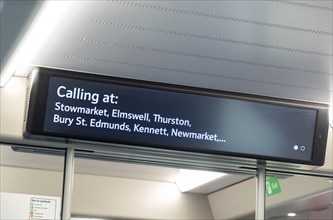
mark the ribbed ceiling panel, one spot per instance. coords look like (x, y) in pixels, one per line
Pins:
(272, 48)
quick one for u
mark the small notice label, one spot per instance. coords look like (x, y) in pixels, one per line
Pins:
(272, 186)
(42, 209)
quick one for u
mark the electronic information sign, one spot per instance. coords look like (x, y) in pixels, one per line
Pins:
(107, 109)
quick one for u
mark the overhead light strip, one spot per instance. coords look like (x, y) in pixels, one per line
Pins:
(191, 179)
(41, 29)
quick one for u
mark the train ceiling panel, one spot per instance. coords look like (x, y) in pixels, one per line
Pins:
(271, 48)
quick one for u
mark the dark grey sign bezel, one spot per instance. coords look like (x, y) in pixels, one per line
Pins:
(38, 100)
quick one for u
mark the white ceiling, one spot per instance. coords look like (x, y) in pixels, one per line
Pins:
(8, 157)
(271, 48)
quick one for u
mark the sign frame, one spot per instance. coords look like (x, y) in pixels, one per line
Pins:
(37, 101)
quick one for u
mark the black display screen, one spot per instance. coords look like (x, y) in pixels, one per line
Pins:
(82, 106)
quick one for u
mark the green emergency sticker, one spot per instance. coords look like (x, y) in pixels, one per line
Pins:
(272, 186)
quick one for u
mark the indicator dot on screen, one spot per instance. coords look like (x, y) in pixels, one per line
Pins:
(303, 148)
(295, 147)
